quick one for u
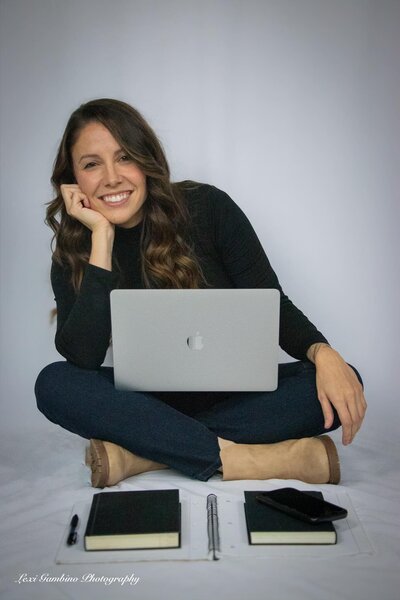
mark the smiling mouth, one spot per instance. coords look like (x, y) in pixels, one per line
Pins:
(116, 199)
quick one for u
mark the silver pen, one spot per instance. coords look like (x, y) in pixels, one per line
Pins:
(212, 525)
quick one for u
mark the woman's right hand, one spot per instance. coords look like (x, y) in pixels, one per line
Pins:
(77, 205)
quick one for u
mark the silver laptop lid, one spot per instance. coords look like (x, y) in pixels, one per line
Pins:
(195, 340)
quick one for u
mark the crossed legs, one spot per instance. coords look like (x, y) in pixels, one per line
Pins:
(164, 429)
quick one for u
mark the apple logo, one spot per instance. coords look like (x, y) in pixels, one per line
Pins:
(195, 342)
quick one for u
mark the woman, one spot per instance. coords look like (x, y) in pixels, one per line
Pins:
(119, 222)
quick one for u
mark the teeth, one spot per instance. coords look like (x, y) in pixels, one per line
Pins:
(116, 197)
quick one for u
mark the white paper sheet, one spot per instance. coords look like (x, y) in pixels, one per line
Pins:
(352, 539)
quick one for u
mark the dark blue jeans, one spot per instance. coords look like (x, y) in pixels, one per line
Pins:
(179, 429)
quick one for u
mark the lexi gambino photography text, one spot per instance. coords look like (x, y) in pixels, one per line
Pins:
(26, 578)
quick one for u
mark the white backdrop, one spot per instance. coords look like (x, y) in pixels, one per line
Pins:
(291, 106)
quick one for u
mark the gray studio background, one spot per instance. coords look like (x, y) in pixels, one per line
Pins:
(291, 106)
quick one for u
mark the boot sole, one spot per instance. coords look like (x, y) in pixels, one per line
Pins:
(97, 461)
(333, 459)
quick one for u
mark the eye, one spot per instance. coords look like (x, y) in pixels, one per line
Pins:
(124, 158)
(89, 165)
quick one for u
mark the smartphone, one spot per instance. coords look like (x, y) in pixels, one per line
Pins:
(301, 505)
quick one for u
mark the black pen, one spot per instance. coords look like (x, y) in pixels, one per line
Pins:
(73, 536)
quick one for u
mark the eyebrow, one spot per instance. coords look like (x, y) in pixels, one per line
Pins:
(97, 155)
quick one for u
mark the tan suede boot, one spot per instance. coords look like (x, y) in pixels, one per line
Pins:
(313, 460)
(111, 463)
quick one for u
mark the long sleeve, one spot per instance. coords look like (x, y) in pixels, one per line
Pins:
(230, 254)
(83, 319)
(247, 265)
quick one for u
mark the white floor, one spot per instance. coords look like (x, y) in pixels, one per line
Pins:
(43, 476)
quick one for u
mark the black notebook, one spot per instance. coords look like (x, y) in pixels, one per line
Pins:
(134, 520)
(267, 525)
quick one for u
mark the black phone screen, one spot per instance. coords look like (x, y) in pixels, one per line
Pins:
(302, 505)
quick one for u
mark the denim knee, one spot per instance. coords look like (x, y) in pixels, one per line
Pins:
(46, 385)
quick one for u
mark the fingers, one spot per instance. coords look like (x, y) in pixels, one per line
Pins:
(357, 405)
(348, 425)
(327, 411)
(339, 388)
(351, 411)
(78, 206)
(344, 416)
(74, 199)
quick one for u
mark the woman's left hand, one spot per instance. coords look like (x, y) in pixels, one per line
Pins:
(338, 386)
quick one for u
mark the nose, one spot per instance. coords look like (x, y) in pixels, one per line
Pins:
(111, 175)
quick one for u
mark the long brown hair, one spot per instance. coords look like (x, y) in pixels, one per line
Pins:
(168, 259)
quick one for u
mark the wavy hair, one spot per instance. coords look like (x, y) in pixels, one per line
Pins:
(168, 259)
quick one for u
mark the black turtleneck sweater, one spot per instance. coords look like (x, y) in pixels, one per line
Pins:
(229, 253)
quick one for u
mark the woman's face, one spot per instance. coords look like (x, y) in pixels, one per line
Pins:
(113, 183)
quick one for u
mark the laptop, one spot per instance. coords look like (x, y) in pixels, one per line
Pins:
(195, 340)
